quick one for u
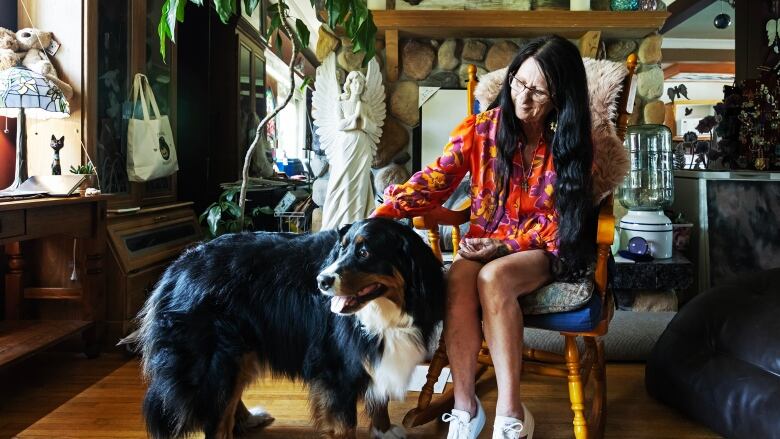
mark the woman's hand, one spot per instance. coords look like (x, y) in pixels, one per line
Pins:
(483, 249)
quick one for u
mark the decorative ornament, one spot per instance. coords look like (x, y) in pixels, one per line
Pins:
(722, 21)
(773, 34)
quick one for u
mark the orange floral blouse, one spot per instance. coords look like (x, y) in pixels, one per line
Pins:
(530, 221)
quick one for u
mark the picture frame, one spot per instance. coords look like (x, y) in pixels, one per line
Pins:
(698, 109)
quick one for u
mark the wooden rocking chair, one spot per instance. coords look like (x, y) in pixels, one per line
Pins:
(579, 368)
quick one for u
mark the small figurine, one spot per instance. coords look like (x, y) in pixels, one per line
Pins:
(56, 145)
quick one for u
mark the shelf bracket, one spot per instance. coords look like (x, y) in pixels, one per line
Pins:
(589, 43)
(391, 52)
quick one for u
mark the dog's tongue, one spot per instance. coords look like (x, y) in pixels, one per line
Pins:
(337, 303)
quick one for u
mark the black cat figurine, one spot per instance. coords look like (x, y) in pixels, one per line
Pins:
(56, 145)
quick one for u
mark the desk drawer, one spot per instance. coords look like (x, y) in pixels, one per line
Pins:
(11, 224)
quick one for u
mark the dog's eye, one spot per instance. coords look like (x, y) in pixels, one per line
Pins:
(363, 252)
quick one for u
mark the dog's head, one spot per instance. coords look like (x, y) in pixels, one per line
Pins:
(381, 258)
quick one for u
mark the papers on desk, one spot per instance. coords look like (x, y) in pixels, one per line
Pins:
(41, 185)
(15, 194)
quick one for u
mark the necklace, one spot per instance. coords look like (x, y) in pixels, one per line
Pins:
(526, 176)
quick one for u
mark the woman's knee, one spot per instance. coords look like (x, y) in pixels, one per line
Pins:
(462, 288)
(493, 289)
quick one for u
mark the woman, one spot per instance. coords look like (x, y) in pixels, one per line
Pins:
(532, 220)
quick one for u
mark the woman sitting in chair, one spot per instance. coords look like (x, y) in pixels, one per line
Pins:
(532, 219)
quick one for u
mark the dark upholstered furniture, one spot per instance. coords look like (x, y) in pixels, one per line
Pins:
(719, 359)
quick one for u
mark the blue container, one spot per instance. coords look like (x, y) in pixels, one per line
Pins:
(293, 167)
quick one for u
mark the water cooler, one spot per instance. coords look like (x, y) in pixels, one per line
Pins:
(647, 190)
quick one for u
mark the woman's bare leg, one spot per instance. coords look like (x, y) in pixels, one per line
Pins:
(500, 283)
(462, 330)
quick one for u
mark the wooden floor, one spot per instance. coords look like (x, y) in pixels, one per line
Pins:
(66, 396)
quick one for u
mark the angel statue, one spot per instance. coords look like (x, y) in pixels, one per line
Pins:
(349, 126)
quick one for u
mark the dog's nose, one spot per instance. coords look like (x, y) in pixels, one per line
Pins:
(325, 281)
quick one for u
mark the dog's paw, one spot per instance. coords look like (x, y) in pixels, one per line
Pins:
(258, 418)
(395, 432)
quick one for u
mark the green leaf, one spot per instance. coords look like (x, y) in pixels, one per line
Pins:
(276, 21)
(180, 10)
(230, 194)
(172, 15)
(265, 210)
(214, 219)
(250, 5)
(225, 9)
(303, 32)
(332, 7)
(234, 209)
(278, 42)
(205, 213)
(306, 81)
(162, 28)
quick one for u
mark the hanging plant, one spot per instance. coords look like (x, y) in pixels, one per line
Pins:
(353, 15)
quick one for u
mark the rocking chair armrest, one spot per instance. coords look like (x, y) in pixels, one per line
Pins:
(605, 233)
(441, 216)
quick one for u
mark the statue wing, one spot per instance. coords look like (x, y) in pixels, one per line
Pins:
(325, 104)
(374, 99)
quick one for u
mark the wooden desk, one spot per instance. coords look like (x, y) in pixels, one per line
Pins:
(38, 235)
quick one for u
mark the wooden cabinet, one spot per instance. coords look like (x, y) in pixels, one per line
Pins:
(125, 43)
(142, 244)
(54, 281)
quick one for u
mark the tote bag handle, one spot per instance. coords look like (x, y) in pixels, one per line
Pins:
(142, 90)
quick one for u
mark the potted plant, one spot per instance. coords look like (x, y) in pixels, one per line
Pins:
(224, 215)
(90, 178)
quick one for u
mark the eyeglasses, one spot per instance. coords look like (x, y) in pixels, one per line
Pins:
(520, 87)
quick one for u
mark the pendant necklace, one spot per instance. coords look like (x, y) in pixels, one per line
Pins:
(526, 176)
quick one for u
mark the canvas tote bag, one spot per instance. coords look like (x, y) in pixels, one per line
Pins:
(151, 153)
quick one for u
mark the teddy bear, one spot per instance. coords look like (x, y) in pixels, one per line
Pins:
(32, 43)
(8, 48)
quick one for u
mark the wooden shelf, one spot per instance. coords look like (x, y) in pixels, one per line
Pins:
(702, 137)
(514, 24)
(22, 338)
(53, 293)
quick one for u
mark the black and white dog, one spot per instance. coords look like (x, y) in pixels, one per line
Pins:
(348, 312)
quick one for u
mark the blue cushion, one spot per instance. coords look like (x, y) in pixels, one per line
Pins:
(581, 319)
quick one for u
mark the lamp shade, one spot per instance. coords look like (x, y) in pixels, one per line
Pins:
(23, 88)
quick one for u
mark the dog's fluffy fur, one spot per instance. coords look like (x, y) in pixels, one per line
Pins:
(605, 81)
(350, 313)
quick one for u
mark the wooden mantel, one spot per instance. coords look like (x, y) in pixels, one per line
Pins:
(440, 24)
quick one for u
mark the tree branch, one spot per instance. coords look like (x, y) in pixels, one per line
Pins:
(250, 152)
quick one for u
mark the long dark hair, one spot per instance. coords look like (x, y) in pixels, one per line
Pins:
(572, 149)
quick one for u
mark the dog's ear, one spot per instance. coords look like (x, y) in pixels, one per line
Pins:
(343, 230)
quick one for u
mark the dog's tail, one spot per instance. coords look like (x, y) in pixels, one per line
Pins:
(191, 378)
(190, 366)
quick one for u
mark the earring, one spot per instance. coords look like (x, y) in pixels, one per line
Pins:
(553, 126)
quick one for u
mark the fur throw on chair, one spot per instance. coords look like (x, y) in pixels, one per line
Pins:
(605, 80)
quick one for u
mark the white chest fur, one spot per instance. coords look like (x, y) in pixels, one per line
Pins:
(403, 348)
